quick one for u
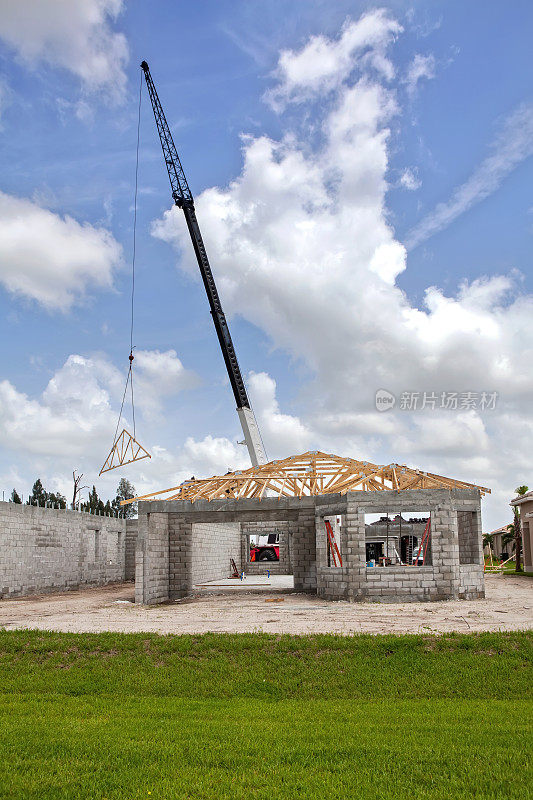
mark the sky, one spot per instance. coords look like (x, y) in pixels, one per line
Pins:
(362, 179)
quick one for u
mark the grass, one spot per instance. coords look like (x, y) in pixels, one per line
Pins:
(520, 573)
(259, 716)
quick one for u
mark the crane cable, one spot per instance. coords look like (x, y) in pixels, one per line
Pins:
(129, 379)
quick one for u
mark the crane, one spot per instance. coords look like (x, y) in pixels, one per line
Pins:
(183, 198)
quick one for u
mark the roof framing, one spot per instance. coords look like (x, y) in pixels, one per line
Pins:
(311, 473)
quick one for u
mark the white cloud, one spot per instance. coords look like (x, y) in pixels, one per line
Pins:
(160, 375)
(420, 68)
(72, 418)
(78, 409)
(51, 259)
(284, 433)
(447, 435)
(306, 253)
(512, 146)
(72, 422)
(73, 34)
(212, 456)
(409, 180)
(323, 63)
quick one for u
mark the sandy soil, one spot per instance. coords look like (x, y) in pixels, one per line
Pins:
(271, 608)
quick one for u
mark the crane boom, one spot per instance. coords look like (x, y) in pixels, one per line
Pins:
(183, 198)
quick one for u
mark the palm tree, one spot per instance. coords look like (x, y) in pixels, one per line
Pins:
(515, 530)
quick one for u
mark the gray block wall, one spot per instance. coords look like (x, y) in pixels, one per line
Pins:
(45, 549)
(152, 559)
(303, 533)
(131, 538)
(213, 545)
(470, 538)
(180, 555)
(445, 579)
(172, 554)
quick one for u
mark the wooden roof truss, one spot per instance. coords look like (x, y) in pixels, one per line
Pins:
(125, 450)
(312, 473)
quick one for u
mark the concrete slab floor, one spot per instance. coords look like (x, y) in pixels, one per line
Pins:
(274, 583)
(508, 606)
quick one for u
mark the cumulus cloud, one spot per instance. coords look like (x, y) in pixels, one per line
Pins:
(52, 259)
(212, 455)
(160, 375)
(77, 412)
(73, 34)
(305, 251)
(72, 422)
(323, 63)
(512, 145)
(73, 417)
(283, 432)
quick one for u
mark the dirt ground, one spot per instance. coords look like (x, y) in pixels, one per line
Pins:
(270, 608)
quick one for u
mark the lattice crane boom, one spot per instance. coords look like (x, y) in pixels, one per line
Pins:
(183, 198)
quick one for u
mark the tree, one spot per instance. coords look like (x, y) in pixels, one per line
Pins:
(38, 496)
(488, 541)
(125, 491)
(15, 497)
(57, 500)
(77, 488)
(94, 505)
(515, 531)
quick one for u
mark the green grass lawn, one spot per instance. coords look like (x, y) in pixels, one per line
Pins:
(258, 716)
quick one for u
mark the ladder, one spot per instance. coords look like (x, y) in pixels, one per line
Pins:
(424, 542)
(333, 548)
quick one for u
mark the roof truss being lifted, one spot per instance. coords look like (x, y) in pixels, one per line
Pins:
(311, 473)
(125, 450)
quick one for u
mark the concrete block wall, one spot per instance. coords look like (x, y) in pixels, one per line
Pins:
(470, 537)
(46, 549)
(471, 582)
(180, 556)
(281, 567)
(303, 533)
(131, 538)
(152, 559)
(443, 579)
(213, 545)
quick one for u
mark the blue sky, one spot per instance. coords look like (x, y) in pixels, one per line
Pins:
(346, 158)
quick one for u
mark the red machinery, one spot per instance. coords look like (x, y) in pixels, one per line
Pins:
(266, 552)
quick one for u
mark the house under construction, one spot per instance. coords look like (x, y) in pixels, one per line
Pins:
(345, 529)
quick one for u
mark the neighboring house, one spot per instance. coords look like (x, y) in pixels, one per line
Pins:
(396, 538)
(498, 549)
(525, 504)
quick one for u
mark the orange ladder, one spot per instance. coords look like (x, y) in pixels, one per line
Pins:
(332, 545)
